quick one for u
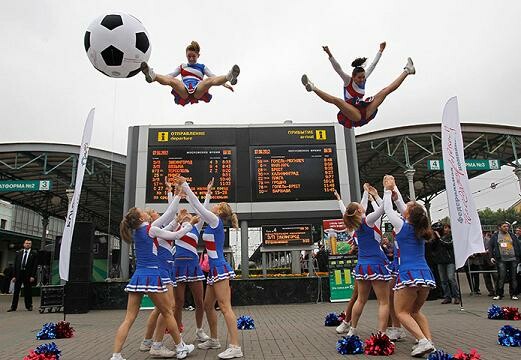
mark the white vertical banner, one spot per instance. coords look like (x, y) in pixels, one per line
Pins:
(65, 248)
(467, 237)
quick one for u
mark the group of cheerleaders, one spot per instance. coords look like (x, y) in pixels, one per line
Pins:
(354, 110)
(164, 277)
(401, 287)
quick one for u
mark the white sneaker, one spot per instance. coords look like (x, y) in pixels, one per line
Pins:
(352, 331)
(232, 74)
(409, 68)
(182, 350)
(117, 357)
(145, 345)
(210, 344)
(307, 83)
(497, 297)
(231, 352)
(343, 327)
(201, 336)
(514, 297)
(396, 333)
(424, 347)
(150, 75)
(162, 352)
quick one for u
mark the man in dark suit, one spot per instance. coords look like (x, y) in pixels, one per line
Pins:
(24, 273)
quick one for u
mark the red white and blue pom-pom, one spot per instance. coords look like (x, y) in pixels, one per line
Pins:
(245, 322)
(509, 336)
(495, 312)
(350, 345)
(379, 344)
(472, 355)
(510, 313)
(503, 313)
(439, 355)
(47, 332)
(44, 352)
(64, 330)
(332, 320)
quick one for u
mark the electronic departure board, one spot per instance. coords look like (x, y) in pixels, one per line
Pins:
(286, 235)
(198, 165)
(294, 173)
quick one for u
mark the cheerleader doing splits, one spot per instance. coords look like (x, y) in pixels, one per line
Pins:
(371, 270)
(414, 279)
(354, 110)
(146, 280)
(221, 272)
(192, 87)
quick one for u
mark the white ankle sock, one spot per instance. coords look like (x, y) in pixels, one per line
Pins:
(157, 345)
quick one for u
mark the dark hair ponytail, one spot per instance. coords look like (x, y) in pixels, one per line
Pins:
(357, 64)
(420, 221)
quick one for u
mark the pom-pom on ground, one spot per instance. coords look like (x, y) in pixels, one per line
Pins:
(350, 345)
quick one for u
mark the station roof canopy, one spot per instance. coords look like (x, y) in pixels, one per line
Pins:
(389, 151)
(393, 151)
(101, 199)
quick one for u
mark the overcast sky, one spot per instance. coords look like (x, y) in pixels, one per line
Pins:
(465, 48)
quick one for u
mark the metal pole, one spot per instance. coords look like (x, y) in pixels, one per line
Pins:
(517, 171)
(245, 263)
(409, 174)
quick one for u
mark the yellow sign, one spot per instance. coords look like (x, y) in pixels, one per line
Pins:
(320, 134)
(162, 136)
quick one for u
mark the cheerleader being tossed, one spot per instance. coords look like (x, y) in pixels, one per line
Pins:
(356, 111)
(193, 86)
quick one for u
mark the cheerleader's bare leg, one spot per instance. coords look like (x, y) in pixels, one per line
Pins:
(174, 83)
(364, 287)
(163, 304)
(351, 303)
(417, 315)
(207, 83)
(223, 296)
(151, 324)
(379, 98)
(347, 109)
(381, 290)
(133, 304)
(161, 325)
(209, 308)
(405, 302)
(179, 293)
(196, 288)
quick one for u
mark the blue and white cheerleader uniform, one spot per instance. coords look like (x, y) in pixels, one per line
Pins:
(372, 262)
(147, 277)
(164, 255)
(191, 75)
(186, 266)
(220, 269)
(354, 94)
(413, 270)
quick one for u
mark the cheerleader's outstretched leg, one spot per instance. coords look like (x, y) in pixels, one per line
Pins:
(378, 99)
(345, 108)
(166, 80)
(207, 83)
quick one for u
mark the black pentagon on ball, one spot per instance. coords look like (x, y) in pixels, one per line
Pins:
(112, 21)
(112, 56)
(86, 40)
(142, 42)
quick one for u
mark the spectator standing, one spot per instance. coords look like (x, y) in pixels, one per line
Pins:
(24, 273)
(505, 251)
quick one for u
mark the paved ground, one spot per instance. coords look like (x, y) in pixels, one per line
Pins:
(282, 331)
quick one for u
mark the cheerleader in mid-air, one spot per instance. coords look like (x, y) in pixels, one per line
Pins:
(192, 87)
(354, 109)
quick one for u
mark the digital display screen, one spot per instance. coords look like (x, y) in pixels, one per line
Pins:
(286, 235)
(198, 165)
(294, 173)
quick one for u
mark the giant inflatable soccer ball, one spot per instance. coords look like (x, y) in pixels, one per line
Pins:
(117, 44)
